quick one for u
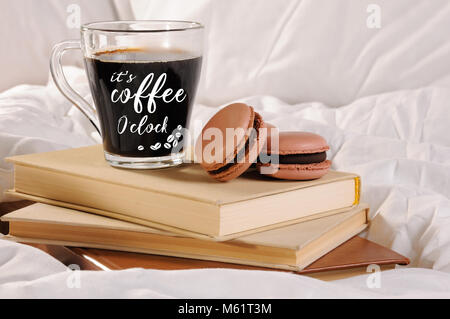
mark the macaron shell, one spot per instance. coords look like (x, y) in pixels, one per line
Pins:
(300, 172)
(250, 157)
(298, 143)
(237, 116)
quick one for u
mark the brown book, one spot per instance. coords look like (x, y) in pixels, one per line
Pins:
(183, 200)
(349, 259)
(291, 247)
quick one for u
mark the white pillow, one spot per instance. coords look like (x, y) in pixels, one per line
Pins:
(314, 50)
(30, 28)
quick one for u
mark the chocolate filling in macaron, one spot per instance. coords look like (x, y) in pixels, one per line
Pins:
(303, 158)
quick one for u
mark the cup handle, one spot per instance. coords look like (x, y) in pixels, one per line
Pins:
(64, 87)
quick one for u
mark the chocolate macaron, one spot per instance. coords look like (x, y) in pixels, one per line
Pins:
(231, 141)
(301, 156)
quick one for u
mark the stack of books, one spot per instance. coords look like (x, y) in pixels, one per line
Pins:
(307, 227)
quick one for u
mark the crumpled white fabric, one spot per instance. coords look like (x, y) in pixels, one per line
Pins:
(398, 142)
(313, 50)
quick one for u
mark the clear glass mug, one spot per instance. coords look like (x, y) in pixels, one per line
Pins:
(143, 77)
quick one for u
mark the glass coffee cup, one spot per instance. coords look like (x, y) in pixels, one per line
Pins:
(143, 77)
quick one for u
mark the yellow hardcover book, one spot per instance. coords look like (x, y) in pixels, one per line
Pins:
(183, 199)
(290, 247)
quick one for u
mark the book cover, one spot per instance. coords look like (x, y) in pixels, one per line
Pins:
(349, 259)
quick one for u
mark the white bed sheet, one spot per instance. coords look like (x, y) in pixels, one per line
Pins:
(398, 142)
(314, 50)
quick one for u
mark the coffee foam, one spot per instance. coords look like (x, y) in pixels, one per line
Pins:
(142, 55)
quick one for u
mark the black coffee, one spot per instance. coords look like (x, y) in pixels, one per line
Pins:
(143, 99)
